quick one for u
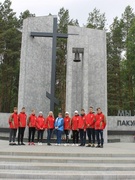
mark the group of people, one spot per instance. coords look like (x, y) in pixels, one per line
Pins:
(80, 124)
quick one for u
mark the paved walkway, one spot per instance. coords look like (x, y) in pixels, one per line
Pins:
(110, 148)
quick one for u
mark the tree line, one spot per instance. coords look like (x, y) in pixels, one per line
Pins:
(120, 56)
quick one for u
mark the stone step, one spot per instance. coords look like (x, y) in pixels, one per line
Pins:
(64, 154)
(76, 175)
(44, 159)
(67, 167)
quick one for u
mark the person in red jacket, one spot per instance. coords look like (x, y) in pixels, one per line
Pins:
(100, 124)
(50, 126)
(22, 125)
(90, 127)
(13, 125)
(67, 126)
(32, 127)
(74, 126)
(82, 127)
(40, 125)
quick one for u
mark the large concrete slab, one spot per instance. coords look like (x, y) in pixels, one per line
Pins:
(35, 65)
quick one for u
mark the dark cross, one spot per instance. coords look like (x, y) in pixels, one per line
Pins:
(54, 36)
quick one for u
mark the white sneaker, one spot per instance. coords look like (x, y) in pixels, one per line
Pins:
(38, 143)
(65, 144)
(41, 144)
(76, 144)
(56, 144)
(73, 144)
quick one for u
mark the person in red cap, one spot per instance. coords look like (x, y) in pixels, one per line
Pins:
(67, 126)
(100, 124)
(74, 127)
(13, 125)
(90, 127)
(40, 125)
(22, 124)
(32, 127)
(82, 127)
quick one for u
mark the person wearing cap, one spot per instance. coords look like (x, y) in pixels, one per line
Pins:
(31, 122)
(67, 126)
(82, 127)
(74, 127)
(22, 117)
(50, 126)
(100, 124)
(40, 126)
(90, 127)
(59, 127)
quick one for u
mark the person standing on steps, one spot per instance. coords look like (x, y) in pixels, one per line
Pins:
(59, 127)
(82, 127)
(100, 124)
(74, 127)
(90, 127)
(31, 122)
(50, 126)
(22, 124)
(67, 127)
(13, 125)
(40, 125)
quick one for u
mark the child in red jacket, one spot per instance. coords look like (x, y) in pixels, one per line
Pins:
(99, 127)
(32, 127)
(67, 126)
(74, 126)
(82, 127)
(22, 124)
(13, 125)
(40, 125)
(50, 126)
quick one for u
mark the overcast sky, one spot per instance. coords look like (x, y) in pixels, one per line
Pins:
(78, 9)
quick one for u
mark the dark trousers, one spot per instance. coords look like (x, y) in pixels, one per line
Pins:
(58, 134)
(40, 135)
(82, 136)
(75, 136)
(21, 134)
(49, 134)
(12, 135)
(67, 135)
(31, 134)
(91, 135)
(100, 139)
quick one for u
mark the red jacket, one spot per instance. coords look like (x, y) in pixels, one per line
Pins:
(40, 123)
(90, 120)
(50, 122)
(74, 122)
(67, 123)
(100, 121)
(13, 121)
(82, 122)
(22, 119)
(32, 120)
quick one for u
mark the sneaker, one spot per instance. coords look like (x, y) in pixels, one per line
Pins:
(65, 144)
(93, 145)
(38, 143)
(80, 144)
(56, 144)
(28, 143)
(33, 143)
(73, 144)
(22, 143)
(101, 146)
(48, 144)
(98, 146)
(77, 145)
(14, 143)
(11, 144)
(19, 144)
(89, 145)
(41, 144)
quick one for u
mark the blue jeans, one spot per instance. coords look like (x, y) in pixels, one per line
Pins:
(58, 134)
(100, 139)
(49, 134)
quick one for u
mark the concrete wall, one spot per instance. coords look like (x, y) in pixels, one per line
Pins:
(86, 83)
(35, 65)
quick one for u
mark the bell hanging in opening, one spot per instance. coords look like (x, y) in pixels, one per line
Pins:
(77, 57)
